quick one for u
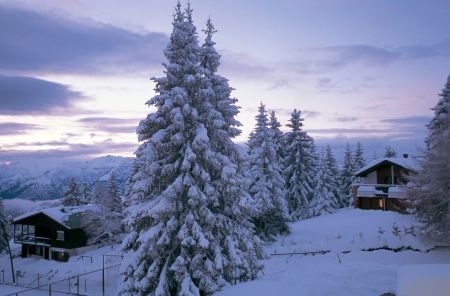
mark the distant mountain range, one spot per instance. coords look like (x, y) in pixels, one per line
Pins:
(46, 179)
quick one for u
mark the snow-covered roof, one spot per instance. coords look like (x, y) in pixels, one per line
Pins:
(406, 163)
(70, 216)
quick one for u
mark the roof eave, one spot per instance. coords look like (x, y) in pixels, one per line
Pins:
(34, 214)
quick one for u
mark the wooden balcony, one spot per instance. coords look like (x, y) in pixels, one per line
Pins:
(380, 190)
(387, 197)
(32, 239)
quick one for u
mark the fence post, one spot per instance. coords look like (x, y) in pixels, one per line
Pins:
(68, 279)
(3, 276)
(78, 285)
(49, 289)
(38, 280)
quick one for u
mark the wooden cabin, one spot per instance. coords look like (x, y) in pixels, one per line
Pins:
(53, 233)
(382, 184)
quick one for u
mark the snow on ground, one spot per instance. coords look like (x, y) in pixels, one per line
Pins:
(345, 270)
(335, 273)
(51, 271)
(424, 279)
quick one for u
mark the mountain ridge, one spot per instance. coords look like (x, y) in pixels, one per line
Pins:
(45, 179)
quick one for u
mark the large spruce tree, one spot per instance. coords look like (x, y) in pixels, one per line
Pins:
(431, 193)
(105, 224)
(359, 160)
(347, 178)
(266, 180)
(189, 231)
(73, 195)
(299, 168)
(325, 199)
(278, 136)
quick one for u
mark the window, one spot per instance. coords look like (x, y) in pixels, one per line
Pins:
(60, 235)
(28, 229)
(60, 256)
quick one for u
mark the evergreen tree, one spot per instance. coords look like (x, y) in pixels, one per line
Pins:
(333, 172)
(439, 123)
(431, 193)
(267, 184)
(389, 152)
(359, 161)
(189, 232)
(278, 136)
(299, 165)
(73, 196)
(347, 178)
(325, 200)
(105, 224)
(220, 108)
(114, 202)
(85, 193)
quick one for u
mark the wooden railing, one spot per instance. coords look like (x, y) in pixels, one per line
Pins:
(382, 189)
(31, 238)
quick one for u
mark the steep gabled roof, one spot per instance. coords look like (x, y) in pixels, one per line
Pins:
(409, 164)
(71, 217)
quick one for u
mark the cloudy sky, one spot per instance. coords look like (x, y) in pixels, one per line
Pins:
(75, 74)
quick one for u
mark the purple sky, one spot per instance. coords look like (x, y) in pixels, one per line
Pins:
(74, 75)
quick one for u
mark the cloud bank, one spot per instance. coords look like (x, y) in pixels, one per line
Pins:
(34, 42)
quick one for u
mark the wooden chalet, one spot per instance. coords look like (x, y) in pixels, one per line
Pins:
(53, 233)
(382, 184)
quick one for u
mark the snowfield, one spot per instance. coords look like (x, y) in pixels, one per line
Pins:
(51, 271)
(356, 272)
(350, 267)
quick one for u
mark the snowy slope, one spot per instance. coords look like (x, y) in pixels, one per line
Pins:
(338, 272)
(46, 179)
(85, 268)
(356, 272)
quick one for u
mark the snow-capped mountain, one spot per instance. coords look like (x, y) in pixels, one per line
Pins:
(46, 179)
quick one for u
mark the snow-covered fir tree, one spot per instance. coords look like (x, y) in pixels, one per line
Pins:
(85, 193)
(189, 231)
(438, 125)
(114, 203)
(389, 152)
(346, 178)
(267, 184)
(358, 163)
(359, 160)
(431, 193)
(105, 224)
(220, 108)
(325, 199)
(278, 136)
(73, 195)
(299, 168)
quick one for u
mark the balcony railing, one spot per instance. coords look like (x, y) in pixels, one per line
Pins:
(31, 239)
(381, 190)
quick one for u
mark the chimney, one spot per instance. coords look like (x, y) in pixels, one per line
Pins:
(405, 155)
